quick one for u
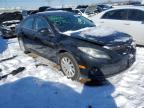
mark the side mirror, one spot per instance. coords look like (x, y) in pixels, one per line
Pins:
(45, 31)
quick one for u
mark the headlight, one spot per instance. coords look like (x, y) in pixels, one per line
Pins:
(94, 52)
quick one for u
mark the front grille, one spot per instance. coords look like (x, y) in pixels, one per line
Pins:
(125, 49)
(128, 47)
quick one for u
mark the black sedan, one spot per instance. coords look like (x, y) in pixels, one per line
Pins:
(75, 43)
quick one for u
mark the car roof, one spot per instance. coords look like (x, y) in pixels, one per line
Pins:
(55, 12)
(128, 7)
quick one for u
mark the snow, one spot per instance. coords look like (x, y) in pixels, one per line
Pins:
(75, 31)
(42, 85)
(96, 31)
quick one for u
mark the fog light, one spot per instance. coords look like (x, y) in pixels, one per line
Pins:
(82, 67)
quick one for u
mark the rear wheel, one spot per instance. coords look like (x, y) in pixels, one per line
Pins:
(69, 66)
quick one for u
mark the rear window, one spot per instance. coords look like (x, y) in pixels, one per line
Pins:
(135, 15)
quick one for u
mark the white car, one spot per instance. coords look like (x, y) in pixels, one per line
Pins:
(127, 19)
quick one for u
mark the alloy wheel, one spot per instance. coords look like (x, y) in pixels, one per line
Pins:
(68, 67)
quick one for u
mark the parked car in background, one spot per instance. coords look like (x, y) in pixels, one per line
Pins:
(105, 6)
(92, 10)
(81, 6)
(89, 10)
(7, 28)
(127, 19)
(80, 48)
(8, 22)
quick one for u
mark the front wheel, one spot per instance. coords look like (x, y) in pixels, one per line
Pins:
(69, 66)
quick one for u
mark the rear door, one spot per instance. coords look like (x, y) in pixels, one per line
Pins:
(135, 25)
(46, 43)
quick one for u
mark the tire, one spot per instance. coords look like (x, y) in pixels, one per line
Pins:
(69, 66)
(22, 47)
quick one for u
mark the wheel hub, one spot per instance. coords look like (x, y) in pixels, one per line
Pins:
(67, 67)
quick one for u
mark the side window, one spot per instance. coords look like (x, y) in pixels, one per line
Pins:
(28, 23)
(41, 23)
(135, 15)
(120, 14)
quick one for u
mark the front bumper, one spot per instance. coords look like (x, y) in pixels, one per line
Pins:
(102, 71)
(112, 69)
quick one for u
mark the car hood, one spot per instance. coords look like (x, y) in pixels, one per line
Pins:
(100, 35)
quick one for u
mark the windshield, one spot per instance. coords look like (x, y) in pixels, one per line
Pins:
(70, 22)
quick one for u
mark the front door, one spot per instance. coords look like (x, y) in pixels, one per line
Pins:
(46, 43)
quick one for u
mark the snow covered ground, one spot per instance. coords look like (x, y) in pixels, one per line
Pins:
(42, 85)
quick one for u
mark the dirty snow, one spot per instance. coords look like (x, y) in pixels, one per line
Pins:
(42, 85)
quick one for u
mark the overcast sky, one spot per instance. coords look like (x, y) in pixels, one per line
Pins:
(36, 3)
